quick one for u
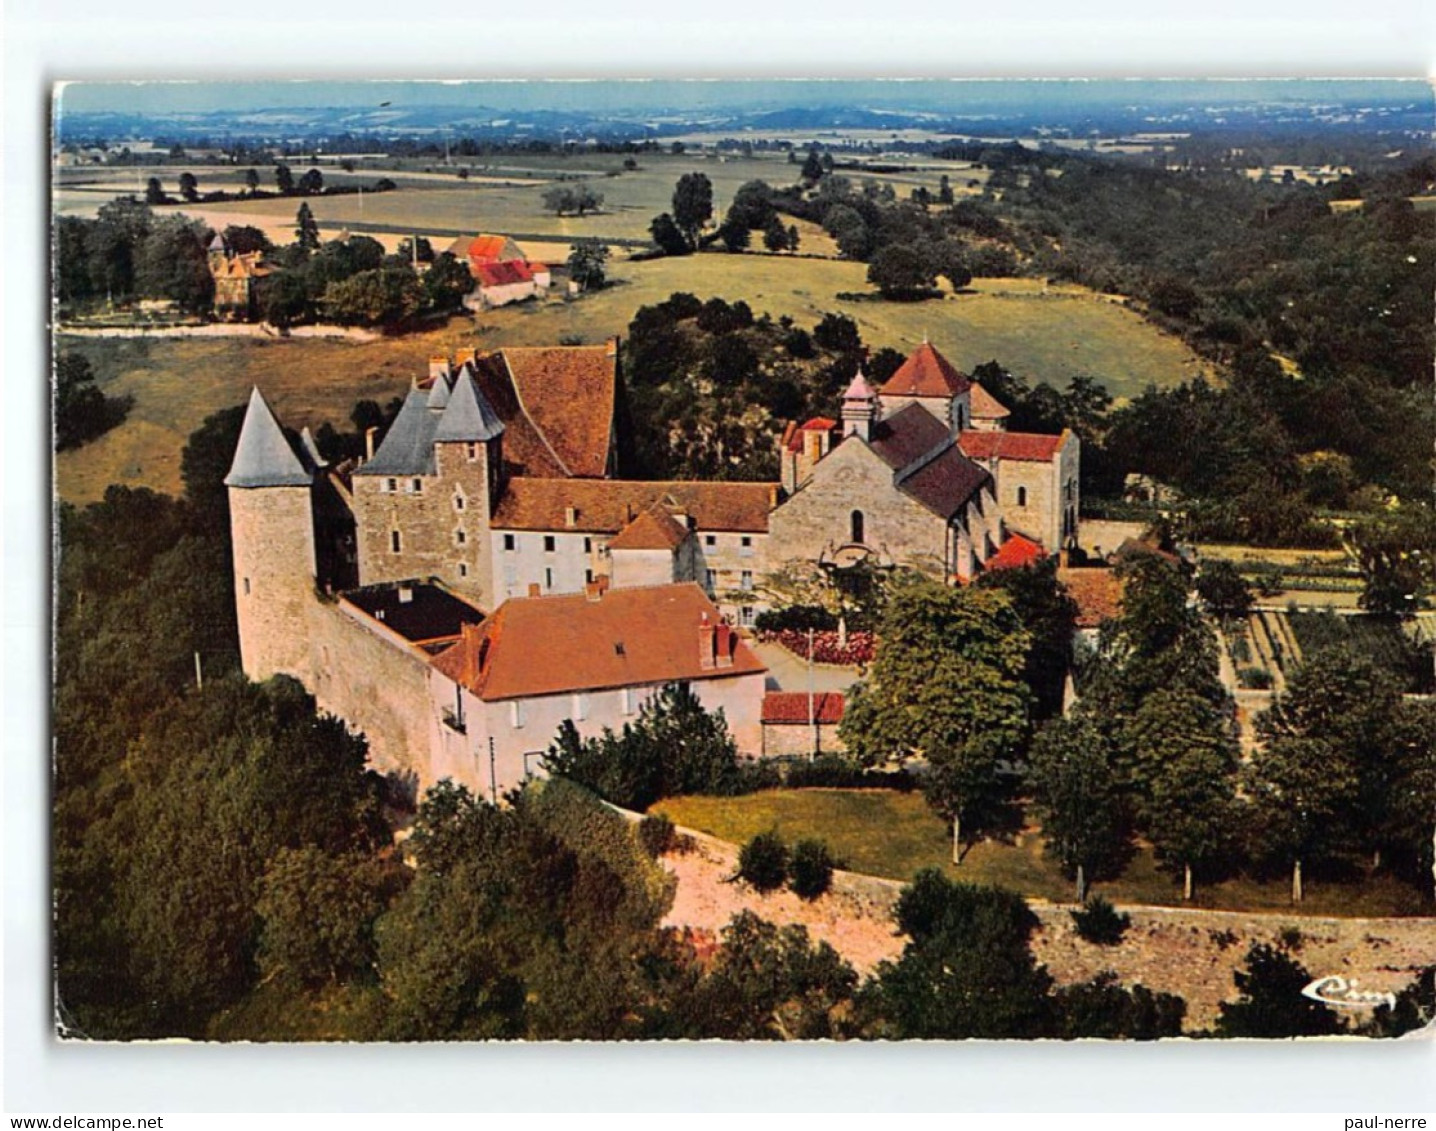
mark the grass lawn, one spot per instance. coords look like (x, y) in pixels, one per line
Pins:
(1048, 334)
(884, 833)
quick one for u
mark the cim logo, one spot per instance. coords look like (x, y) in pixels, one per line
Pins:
(1338, 991)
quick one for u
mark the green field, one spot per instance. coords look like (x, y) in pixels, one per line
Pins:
(1040, 334)
(884, 833)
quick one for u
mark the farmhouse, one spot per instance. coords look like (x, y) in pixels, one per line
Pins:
(502, 272)
(484, 575)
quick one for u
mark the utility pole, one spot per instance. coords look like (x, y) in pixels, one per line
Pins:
(812, 715)
(493, 774)
(198, 673)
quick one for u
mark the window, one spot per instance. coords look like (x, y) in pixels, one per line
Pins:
(630, 701)
(588, 577)
(416, 486)
(580, 706)
(394, 542)
(588, 545)
(458, 502)
(509, 542)
(549, 543)
(746, 580)
(246, 587)
(516, 713)
(463, 569)
(856, 528)
(391, 485)
(710, 540)
(533, 763)
(460, 537)
(745, 549)
(471, 452)
(1022, 496)
(710, 580)
(548, 578)
(746, 615)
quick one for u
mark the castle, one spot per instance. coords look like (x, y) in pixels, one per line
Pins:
(484, 574)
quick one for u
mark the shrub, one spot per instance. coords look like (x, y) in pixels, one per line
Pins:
(656, 834)
(1099, 922)
(1254, 678)
(764, 861)
(810, 872)
(833, 771)
(796, 617)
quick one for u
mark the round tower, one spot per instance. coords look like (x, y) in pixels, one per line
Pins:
(271, 517)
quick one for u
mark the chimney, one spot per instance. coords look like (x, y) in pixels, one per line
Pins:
(724, 644)
(707, 645)
(406, 594)
(535, 590)
(439, 366)
(570, 517)
(369, 443)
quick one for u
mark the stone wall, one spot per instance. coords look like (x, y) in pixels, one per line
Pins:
(272, 530)
(818, 519)
(789, 740)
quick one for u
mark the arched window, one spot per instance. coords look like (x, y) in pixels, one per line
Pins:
(1022, 496)
(857, 530)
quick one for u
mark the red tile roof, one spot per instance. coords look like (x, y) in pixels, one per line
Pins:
(792, 707)
(1098, 593)
(569, 393)
(486, 249)
(1015, 553)
(794, 441)
(607, 506)
(985, 406)
(1028, 446)
(654, 529)
(502, 274)
(636, 637)
(926, 373)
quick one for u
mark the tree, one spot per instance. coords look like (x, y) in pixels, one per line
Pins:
(673, 747)
(1397, 555)
(172, 264)
(386, 296)
(1226, 592)
(251, 181)
(446, 284)
(1184, 769)
(763, 862)
(734, 235)
(407, 250)
(586, 263)
(188, 186)
(813, 167)
(810, 870)
(312, 183)
(283, 179)
(1410, 798)
(1271, 1002)
(154, 192)
(241, 239)
(667, 235)
(944, 190)
(946, 686)
(692, 205)
(900, 272)
(82, 411)
(775, 236)
(1079, 801)
(1041, 602)
(204, 462)
(837, 333)
(572, 198)
(1103, 1009)
(307, 232)
(967, 970)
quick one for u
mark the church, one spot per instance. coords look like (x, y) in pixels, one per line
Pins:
(484, 574)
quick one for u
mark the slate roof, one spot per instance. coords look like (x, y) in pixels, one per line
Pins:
(944, 485)
(607, 506)
(909, 434)
(429, 417)
(654, 529)
(926, 373)
(792, 707)
(1028, 446)
(636, 637)
(264, 456)
(417, 611)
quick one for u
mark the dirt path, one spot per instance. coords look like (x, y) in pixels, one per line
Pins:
(219, 330)
(1191, 953)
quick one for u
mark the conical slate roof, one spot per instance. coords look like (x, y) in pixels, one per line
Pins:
(439, 394)
(264, 456)
(468, 416)
(408, 447)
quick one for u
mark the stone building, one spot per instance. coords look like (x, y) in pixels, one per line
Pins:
(236, 280)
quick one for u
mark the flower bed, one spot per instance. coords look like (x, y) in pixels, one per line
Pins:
(826, 646)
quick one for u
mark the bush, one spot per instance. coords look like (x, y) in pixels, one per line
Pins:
(833, 771)
(764, 861)
(656, 834)
(1099, 922)
(1254, 678)
(810, 872)
(797, 618)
